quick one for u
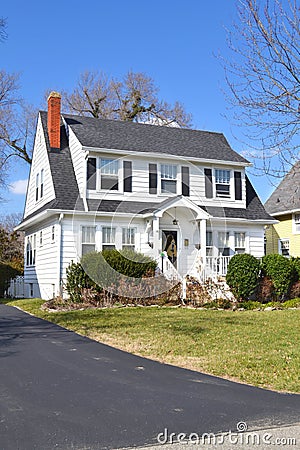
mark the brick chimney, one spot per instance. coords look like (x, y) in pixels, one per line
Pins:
(54, 101)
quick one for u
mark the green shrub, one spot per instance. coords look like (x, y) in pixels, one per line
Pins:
(242, 275)
(281, 271)
(250, 305)
(293, 303)
(276, 305)
(105, 267)
(6, 273)
(77, 281)
(296, 264)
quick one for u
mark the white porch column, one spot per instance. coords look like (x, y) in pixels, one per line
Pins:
(203, 241)
(156, 239)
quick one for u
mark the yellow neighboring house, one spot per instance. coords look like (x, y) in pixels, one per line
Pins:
(284, 205)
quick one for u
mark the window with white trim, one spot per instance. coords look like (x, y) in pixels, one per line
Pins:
(297, 223)
(168, 177)
(240, 242)
(37, 181)
(209, 243)
(42, 184)
(284, 247)
(88, 239)
(109, 174)
(223, 243)
(108, 238)
(222, 182)
(128, 238)
(31, 250)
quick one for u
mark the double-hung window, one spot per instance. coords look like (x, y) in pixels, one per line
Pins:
(284, 247)
(108, 238)
(239, 242)
(42, 184)
(88, 240)
(128, 238)
(223, 243)
(168, 178)
(297, 223)
(109, 173)
(37, 182)
(222, 178)
(209, 243)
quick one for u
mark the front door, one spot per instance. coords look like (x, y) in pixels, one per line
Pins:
(169, 245)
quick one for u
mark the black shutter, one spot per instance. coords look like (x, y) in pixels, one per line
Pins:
(208, 183)
(238, 185)
(185, 181)
(127, 170)
(152, 178)
(91, 173)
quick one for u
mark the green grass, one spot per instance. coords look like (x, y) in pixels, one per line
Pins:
(256, 347)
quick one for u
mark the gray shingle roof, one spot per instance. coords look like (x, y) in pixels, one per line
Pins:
(286, 196)
(129, 136)
(67, 193)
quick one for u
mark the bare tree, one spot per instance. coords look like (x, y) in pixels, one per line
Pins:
(15, 120)
(264, 80)
(134, 99)
(3, 34)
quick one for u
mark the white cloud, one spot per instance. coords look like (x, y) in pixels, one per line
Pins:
(19, 187)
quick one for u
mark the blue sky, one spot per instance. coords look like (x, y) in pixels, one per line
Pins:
(175, 42)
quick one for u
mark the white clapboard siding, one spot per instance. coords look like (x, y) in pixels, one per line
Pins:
(40, 161)
(256, 242)
(78, 159)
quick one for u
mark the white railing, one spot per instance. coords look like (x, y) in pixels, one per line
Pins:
(166, 267)
(16, 288)
(216, 266)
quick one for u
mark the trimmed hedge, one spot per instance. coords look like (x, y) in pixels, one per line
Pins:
(105, 267)
(242, 275)
(77, 280)
(281, 271)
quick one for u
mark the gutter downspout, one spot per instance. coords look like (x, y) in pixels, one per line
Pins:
(59, 240)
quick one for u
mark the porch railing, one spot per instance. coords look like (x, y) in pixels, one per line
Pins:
(166, 267)
(216, 266)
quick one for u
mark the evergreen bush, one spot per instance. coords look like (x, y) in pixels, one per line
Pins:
(242, 275)
(7, 271)
(281, 271)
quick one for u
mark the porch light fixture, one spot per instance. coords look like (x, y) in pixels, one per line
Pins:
(175, 221)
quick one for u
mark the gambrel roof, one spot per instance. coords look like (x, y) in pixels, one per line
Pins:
(286, 197)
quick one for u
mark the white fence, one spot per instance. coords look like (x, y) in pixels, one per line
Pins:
(16, 288)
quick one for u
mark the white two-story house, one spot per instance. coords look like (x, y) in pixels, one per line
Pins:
(96, 184)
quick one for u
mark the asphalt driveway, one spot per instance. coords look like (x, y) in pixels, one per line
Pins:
(59, 390)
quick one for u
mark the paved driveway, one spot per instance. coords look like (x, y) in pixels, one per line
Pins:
(63, 391)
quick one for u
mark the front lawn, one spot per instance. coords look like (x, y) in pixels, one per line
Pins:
(257, 347)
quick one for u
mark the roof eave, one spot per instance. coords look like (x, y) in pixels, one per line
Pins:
(166, 155)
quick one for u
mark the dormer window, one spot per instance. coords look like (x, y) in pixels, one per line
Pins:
(168, 179)
(109, 169)
(222, 183)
